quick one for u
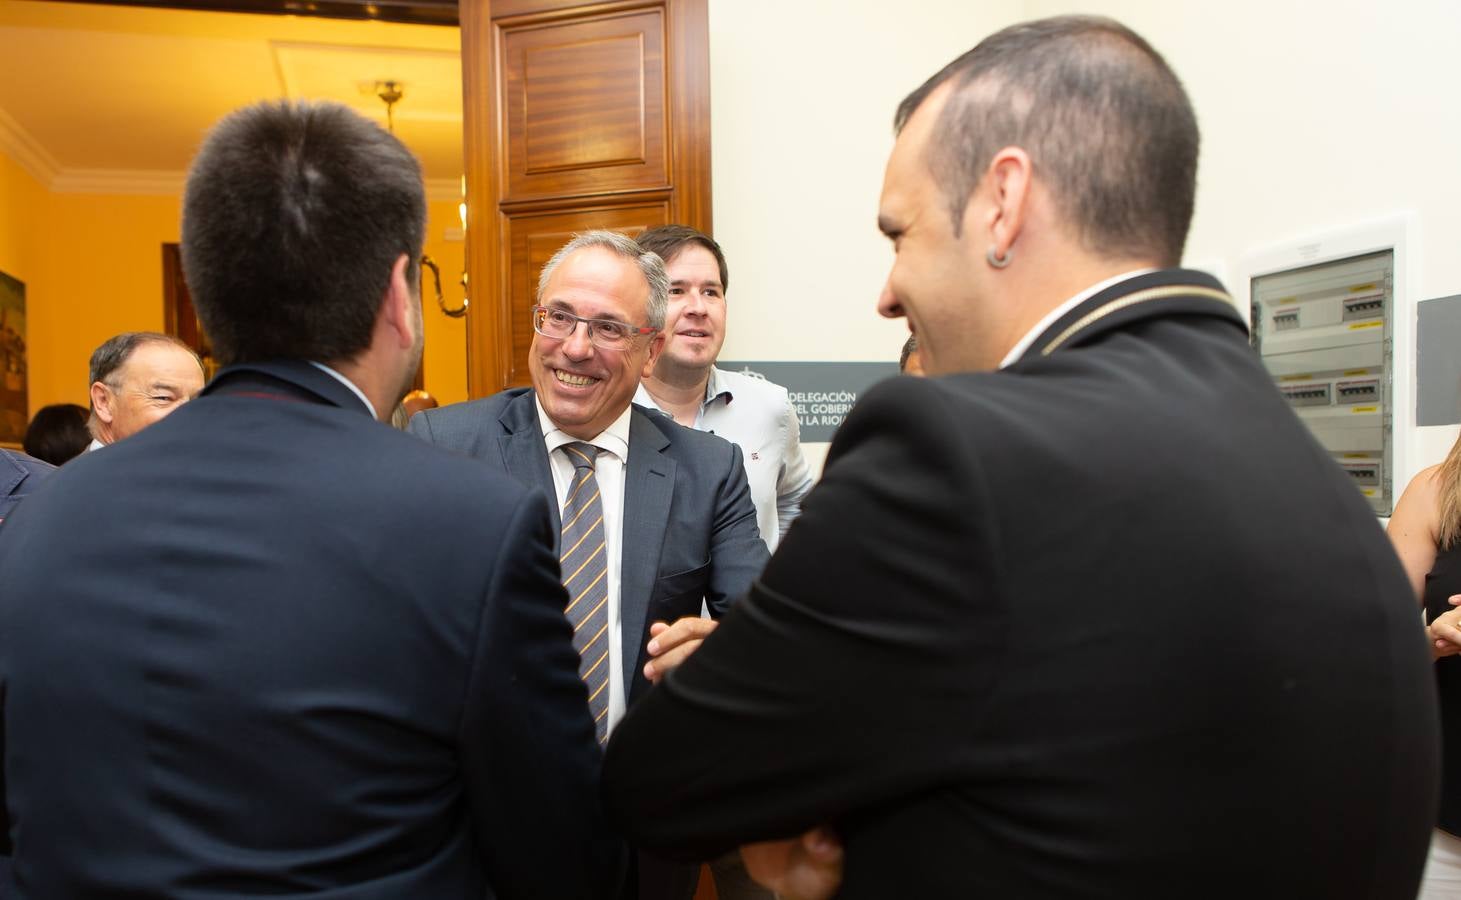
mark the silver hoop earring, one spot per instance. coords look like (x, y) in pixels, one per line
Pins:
(998, 262)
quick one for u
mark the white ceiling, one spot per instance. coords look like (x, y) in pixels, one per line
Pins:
(97, 98)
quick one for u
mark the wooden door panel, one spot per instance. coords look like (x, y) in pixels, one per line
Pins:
(577, 115)
(533, 238)
(585, 106)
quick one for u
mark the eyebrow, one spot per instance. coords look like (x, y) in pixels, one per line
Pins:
(710, 282)
(563, 305)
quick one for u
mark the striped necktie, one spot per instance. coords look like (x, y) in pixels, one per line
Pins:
(586, 576)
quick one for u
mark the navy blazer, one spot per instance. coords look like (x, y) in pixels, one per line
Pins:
(20, 475)
(689, 523)
(272, 646)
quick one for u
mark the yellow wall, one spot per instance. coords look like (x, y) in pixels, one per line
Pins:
(103, 275)
(446, 338)
(92, 265)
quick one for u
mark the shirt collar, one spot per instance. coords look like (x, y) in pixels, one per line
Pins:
(1024, 343)
(715, 387)
(614, 439)
(349, 384)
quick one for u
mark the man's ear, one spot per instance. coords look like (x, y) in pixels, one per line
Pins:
(395, 307)
(101, 401)
(999, 205)
(656, 345)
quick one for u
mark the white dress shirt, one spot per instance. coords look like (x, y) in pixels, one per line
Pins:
(756, 415)
(613, 444)
(349, 384)
(1054, 315)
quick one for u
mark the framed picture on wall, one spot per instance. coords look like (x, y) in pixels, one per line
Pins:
(14, 405)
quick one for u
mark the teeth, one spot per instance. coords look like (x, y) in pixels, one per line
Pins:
(570, 378)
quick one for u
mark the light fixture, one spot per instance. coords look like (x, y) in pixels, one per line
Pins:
(390, 93)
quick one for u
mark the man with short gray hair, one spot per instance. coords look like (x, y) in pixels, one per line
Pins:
(138, 377)
(653, 516)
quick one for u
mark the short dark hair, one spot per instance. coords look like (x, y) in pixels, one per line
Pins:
(116, 350)
(293, 217)
(1104, 119)
(909, 347)
(58, 433)
(667, 241)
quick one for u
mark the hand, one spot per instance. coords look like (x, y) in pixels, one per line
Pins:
(804, 868)
(1444, 631)
(670, 645)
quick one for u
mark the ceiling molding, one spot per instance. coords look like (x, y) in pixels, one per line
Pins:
(418, 12)
(147, 181)
(26, 151)
(119, 181)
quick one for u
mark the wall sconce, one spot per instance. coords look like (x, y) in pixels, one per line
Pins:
(430, 263)
(390, 93)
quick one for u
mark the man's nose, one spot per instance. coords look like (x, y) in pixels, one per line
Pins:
(694, 304)
(577, 345)
(888, 302)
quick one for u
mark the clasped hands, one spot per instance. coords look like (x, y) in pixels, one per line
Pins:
(804, 868)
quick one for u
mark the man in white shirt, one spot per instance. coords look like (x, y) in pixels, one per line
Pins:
(652, 518)
(750, 412)
(137, 378)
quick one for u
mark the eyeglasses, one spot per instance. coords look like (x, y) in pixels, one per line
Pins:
(606, 334)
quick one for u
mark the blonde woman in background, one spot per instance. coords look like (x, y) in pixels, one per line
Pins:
(1426, 531)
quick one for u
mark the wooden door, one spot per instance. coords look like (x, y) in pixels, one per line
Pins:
(179, 318)
(578, 116)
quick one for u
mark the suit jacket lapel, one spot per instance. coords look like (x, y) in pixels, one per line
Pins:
(649, 486)
(1161, 293)
(524, 454)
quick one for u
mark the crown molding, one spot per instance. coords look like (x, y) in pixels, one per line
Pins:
(26, 151)
(119, 181)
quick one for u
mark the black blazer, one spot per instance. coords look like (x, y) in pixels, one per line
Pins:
(689, 528)
(271, 646)
(1106, 623)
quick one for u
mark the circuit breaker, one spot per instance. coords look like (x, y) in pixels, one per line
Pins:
(1325, 332)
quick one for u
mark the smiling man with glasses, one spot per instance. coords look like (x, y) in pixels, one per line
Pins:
(653, 517)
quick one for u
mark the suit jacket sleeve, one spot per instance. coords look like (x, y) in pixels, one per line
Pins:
(855, 668)
(528, 749)
(737, 553)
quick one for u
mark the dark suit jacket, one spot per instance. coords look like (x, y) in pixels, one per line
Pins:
(20, 475)
(1106, 623)
(689, 523)
(271, 646)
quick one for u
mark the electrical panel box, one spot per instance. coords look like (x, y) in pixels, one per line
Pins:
(1325, 332)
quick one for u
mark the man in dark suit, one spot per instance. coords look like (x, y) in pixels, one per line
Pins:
(270, 645)
(671, 508)
(1097, 617)
(20, 475)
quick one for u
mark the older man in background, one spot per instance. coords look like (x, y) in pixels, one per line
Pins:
(137, 378)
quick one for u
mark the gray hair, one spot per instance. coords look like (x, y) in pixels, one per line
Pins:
(115, 351)
(650, 266)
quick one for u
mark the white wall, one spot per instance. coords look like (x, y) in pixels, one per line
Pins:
(1313, 116)
(1317, 116)
(803, 93)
